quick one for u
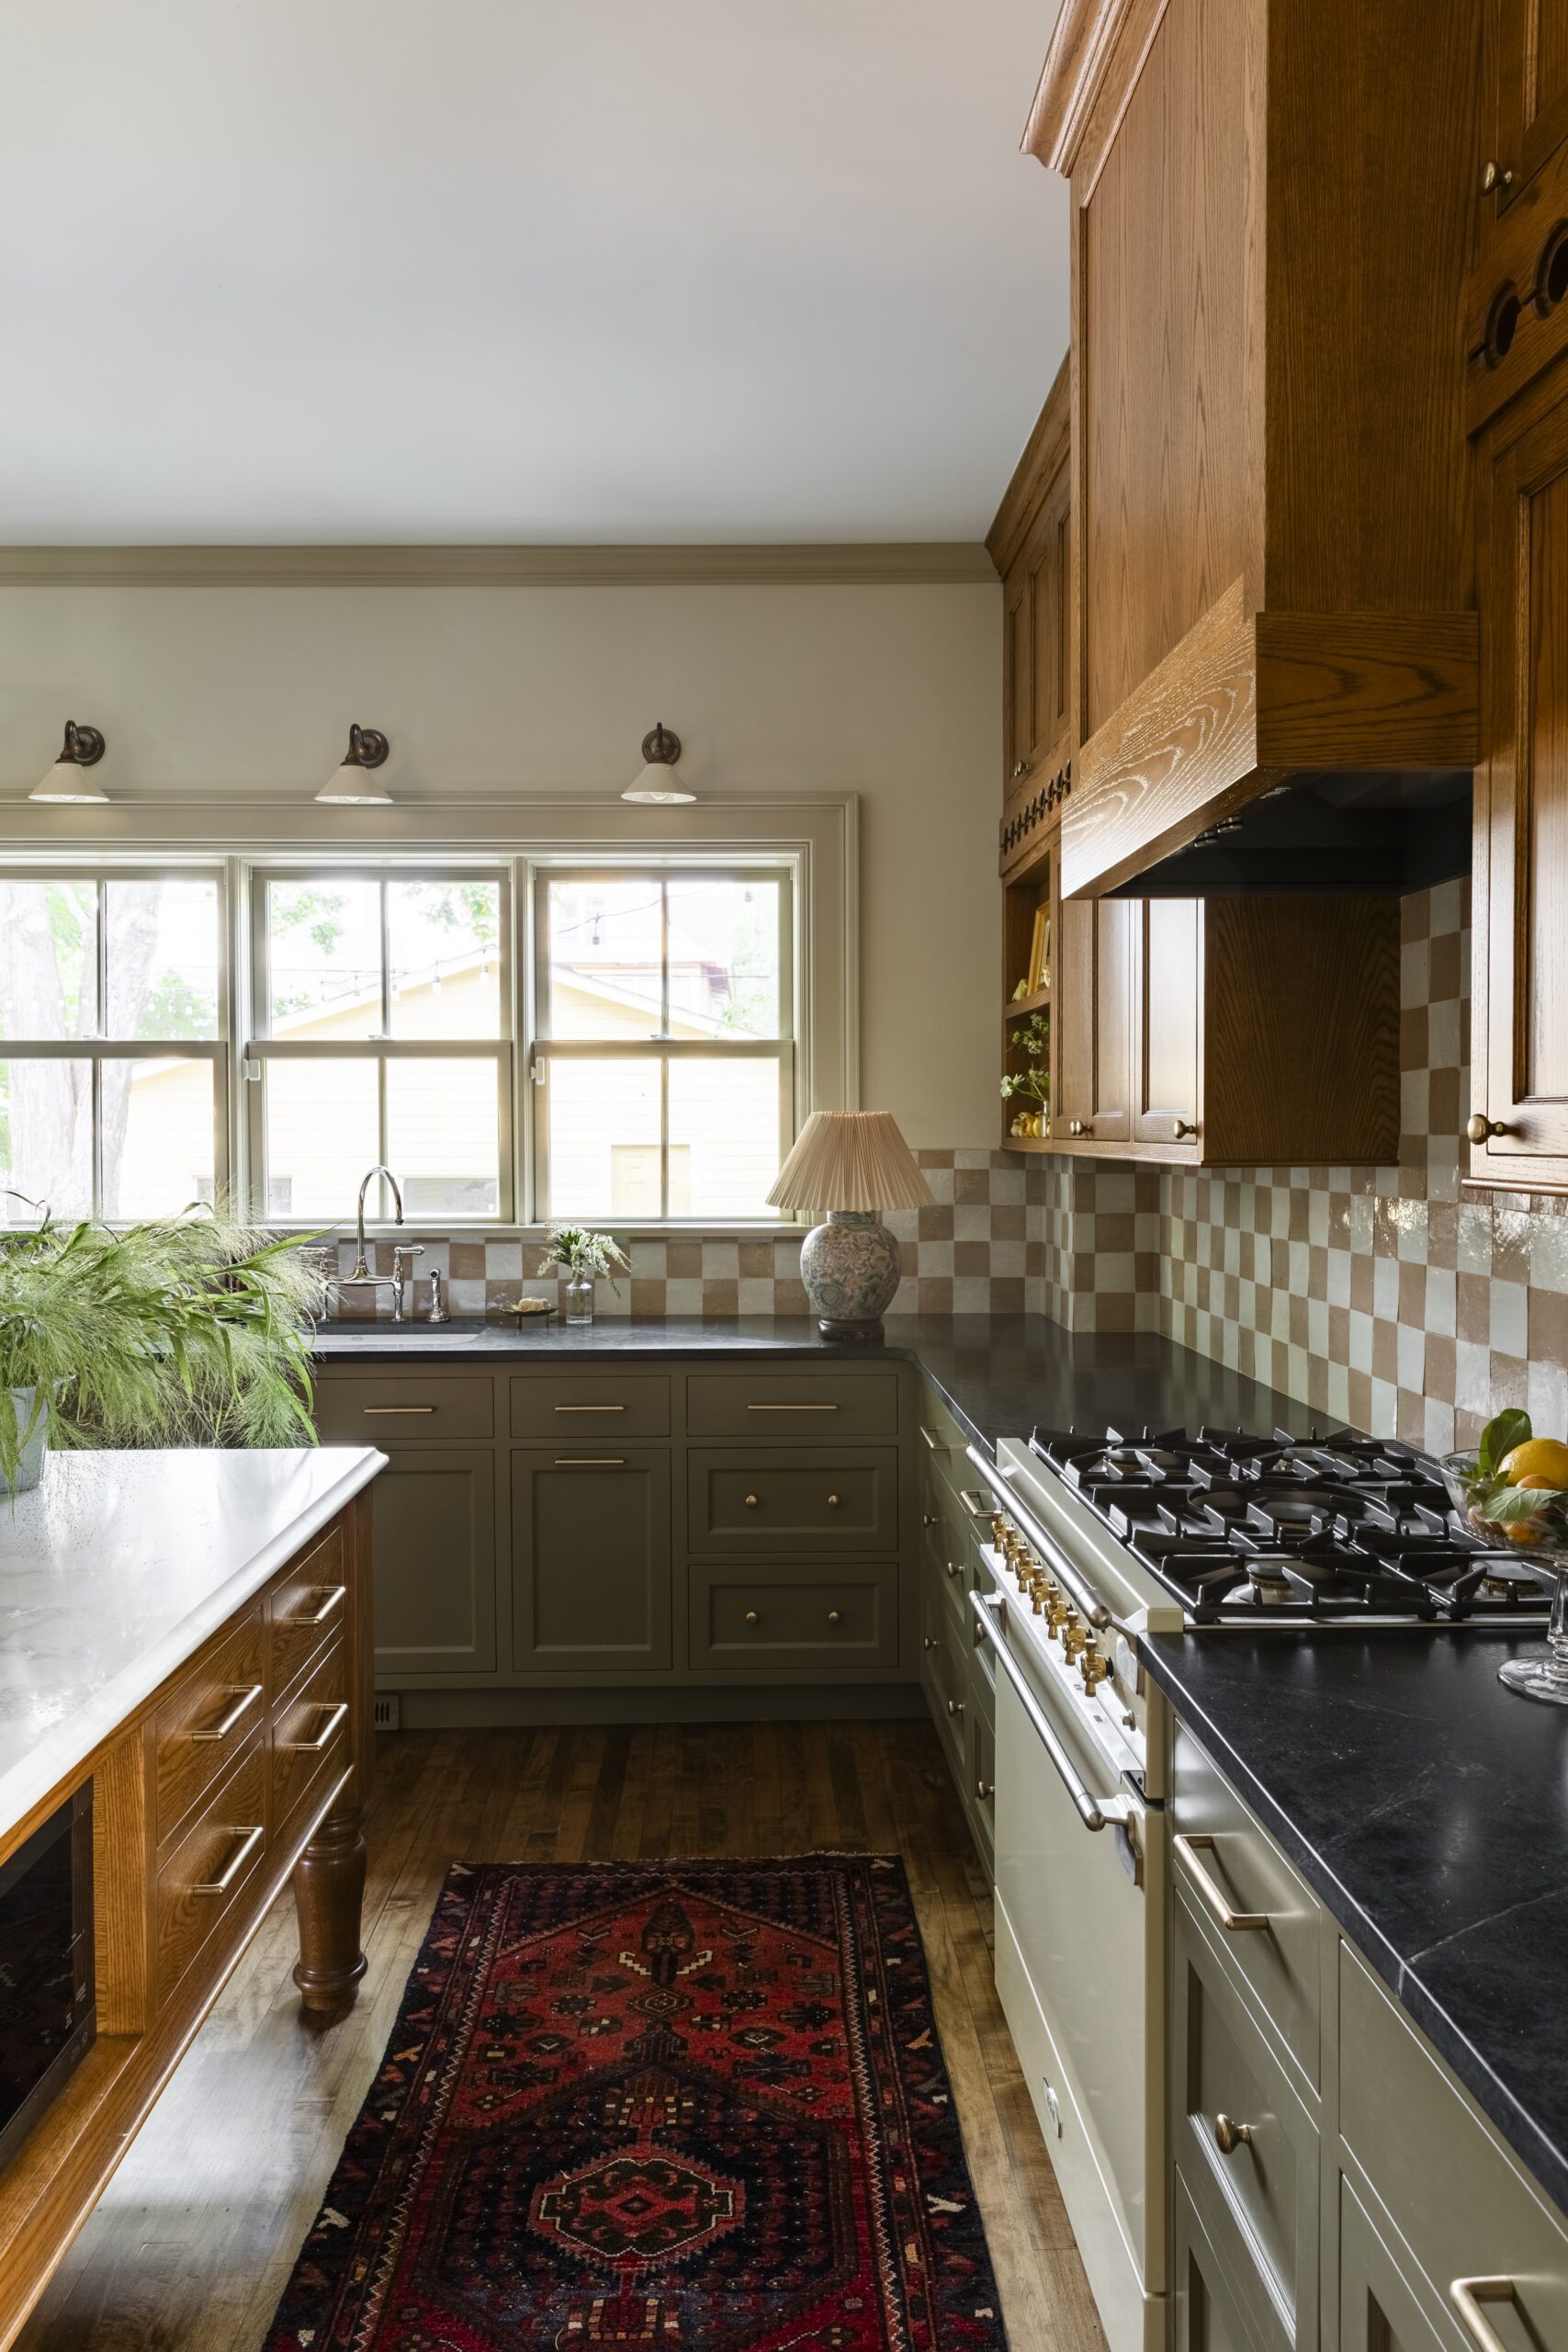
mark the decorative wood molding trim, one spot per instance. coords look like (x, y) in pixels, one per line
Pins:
(891, 563)
(1247, 699)
(1045, 454)
(1081, 47)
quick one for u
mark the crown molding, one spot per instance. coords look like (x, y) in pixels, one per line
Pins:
(890, 563)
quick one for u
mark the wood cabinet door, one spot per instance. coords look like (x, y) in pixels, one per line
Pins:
(1519, 1076)
(1035, 640)
(1377, 2308)
(591, 1577)
(433, 1553)
(1166, 1020)
(1526, 77)
(1017, 685)
(1092, 996)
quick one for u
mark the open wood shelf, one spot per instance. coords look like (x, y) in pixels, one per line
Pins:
(1037, 1002)
(1030, 1143)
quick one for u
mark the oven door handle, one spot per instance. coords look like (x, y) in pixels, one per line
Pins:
(1095, 1812)
(1056, 1560)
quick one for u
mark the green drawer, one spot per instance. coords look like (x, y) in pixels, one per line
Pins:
(787, 1408)
(840, 1502)
(1463, 2204)
(369, 1408)
(591, 1404)
(801, 1620)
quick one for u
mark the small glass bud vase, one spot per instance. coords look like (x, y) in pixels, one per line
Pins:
(579, 1297)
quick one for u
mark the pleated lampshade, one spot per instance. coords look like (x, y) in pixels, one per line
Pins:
(851, 1160)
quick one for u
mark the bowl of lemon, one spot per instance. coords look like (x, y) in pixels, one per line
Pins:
(1513, 1493)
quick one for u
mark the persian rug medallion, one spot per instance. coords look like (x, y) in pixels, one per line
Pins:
(697, 2106)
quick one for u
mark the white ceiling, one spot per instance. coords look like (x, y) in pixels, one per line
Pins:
(551, 270)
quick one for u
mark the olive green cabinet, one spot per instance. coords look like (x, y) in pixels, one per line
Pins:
(591, 1554)
(433, 1519)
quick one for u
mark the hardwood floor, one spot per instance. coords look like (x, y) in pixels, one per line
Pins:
(191, 2247)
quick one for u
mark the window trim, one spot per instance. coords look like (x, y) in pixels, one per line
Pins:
(816, 833)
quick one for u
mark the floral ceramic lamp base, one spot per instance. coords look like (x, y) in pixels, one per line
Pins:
(851, 1268)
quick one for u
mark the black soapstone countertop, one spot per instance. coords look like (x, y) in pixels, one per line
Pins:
(1428, 1805)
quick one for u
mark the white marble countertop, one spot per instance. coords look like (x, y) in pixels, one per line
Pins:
(118, 1566)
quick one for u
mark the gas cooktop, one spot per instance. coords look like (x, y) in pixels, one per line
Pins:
(1333, 1526)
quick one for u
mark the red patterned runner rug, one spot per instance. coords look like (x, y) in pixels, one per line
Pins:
(698, 2106)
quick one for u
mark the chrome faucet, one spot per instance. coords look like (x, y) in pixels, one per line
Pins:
(360, 1271)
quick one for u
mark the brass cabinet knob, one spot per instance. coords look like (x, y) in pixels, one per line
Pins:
(1184, 1127)
(955, 1706)
(1019, 766)
(984, 1788)
(1078, 1128)
(832, 1502)
(751, 1502)
(953, 1567)
(927, 1519)
(833, 1617)
(754, 1617)
(1496, 180)
(1229, 2136)
(930, 1642)
(1479, 1128)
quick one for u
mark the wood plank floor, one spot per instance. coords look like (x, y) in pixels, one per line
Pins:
(191, 2247)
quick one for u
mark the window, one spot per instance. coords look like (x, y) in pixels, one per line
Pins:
(112, 1059)
(664, 1059)
(523, 1038)
(381, 1009)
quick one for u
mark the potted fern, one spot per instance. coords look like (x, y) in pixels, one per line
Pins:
(190, 1331)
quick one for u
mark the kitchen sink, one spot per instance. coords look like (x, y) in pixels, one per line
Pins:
(352, 1338)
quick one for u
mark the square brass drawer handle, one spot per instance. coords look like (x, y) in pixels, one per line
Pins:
(336, 1712)
(1467, 2295)
(249, 1840)
(590, 1409)
(792, 1408)
(384, 1412)
(1213, 1893)
(239, 1705)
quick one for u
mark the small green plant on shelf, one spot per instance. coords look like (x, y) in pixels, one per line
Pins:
(192, 1331)
(1032, 1039)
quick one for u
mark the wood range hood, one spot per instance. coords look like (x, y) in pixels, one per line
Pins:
(1271, 570)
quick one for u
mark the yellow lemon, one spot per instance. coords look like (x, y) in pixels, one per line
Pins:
(1542, 1459)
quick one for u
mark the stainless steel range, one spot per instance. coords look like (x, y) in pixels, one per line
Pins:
(1090, 1539)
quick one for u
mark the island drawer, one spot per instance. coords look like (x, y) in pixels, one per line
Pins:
(212, 1866)
(784, 1408)
(844, 1502)
(597, 1404)
(306, 1608)
(807, 1620)
(365, 1407)
(1463, 2204)
(206, 1720)
(1226, 1864)
(310, 1742)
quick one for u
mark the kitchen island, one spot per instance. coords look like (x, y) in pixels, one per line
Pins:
(186, 1633)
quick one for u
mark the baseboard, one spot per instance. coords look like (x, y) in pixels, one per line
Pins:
(499, 1710)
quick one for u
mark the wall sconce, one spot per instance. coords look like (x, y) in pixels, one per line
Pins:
(351, 783)
(656, 780)
(67, 779)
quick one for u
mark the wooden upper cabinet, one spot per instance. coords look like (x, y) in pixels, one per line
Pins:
(1029, 543)
(1093, 1000)
(1271, 569)
(1517, 307)
(1526, 92)
(1519, 988)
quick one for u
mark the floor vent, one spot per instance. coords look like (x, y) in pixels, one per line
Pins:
(389, 1711)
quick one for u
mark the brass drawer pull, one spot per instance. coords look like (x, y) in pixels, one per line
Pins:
(977, 1505)
(591, 1408)
(953, 1567)
(1209, 1887)
(932, 1440)
(754, 1617)
(834, 1618)
(249, 1840)
(751, 1502)
(336, 1712)
(792, 1408)
(241, 1704)
(927, 1519)
(984, 1788)
(930, 1642)
(386, 1411)
(1467, 2295)
(1229, 2136)
(590, 1461)
(832, 1502)
(331, 1596)
(955, 1706)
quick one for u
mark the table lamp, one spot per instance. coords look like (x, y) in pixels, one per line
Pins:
(851, 1163)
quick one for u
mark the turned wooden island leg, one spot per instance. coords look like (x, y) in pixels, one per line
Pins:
(328, 1877)
(329, 1891)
